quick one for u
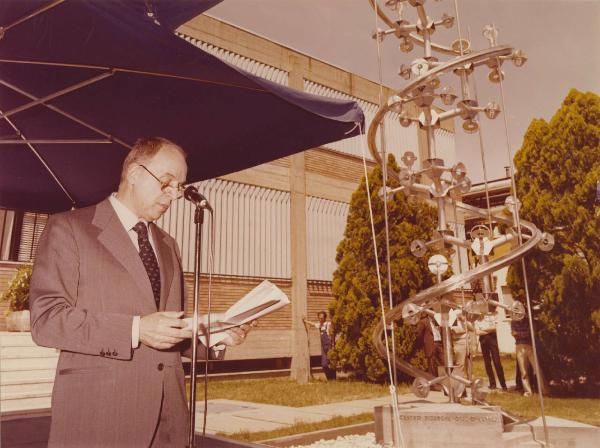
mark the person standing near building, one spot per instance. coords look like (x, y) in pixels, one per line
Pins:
(430, 337)
(520, 330)
(459, 342)
(107, 291)
(485, 328)
(326, 335)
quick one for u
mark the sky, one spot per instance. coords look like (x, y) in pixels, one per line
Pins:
(560, 37)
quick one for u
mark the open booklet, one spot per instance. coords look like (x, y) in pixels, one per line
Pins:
(263, 299)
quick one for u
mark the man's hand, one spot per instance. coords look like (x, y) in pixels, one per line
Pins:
(163, 330)
(237, 335)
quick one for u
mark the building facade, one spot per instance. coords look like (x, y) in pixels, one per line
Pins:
(281, 220)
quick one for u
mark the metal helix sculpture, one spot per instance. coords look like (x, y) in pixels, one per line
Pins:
(425, 87)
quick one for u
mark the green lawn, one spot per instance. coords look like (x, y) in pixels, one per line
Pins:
(285, 392)
(584, 410)
(509, 365)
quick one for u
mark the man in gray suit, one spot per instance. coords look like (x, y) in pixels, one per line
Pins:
(107, 290)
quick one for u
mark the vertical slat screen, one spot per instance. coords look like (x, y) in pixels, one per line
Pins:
(252, 230)
(326, 221)
(33, 225)
(250, 65)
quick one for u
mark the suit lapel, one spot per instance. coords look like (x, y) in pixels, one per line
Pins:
(115, 239)
(165, 261)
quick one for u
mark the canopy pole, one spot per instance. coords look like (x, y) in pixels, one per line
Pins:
(41, 159)
(57, 94)
(29, 16)
(41, 141)
(139, 72)
(109, 137)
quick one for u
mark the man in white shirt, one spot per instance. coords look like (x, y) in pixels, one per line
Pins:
(485, 328)
(107, 290)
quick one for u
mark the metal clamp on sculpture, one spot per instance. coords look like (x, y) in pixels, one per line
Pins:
(415, 104)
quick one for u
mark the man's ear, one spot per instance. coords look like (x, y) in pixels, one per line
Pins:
(133, 171)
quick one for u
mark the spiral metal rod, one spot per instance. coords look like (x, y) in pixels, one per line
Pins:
(531, 236)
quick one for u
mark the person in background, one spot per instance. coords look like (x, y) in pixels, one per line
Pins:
(459, 342)
(520, 330)
(430, 337)
(326, 335)
(485, 328)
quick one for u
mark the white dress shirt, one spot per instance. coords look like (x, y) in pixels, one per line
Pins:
(129, 219)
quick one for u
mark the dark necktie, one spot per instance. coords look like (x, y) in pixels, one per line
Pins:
(149, 259)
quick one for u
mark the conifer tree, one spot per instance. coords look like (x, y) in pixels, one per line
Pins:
(558, 168)
(356, 308)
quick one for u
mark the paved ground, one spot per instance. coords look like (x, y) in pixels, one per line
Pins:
(231, 416)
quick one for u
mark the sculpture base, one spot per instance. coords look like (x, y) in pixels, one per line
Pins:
(430, 425)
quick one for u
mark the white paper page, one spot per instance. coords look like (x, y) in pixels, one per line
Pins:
(262, 300)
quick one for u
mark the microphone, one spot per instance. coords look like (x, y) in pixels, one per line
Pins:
(192, 194)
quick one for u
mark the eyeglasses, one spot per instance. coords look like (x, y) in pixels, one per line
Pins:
(171, 188)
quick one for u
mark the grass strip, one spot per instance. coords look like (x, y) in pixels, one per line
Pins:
(299, 428)
(286, 392)
(584, 410)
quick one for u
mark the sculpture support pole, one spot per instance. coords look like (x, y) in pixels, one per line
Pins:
(448, 355)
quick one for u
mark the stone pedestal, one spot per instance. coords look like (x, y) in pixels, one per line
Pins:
(447, 425)
(562, 433)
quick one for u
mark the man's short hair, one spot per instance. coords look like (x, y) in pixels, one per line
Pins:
(144, 149)
(322, 313)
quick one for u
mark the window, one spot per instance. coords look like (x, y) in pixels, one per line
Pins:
(19, 234)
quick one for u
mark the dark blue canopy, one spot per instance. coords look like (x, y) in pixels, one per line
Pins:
(81, 80)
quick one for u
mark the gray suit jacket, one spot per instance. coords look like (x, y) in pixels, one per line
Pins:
(88, 282)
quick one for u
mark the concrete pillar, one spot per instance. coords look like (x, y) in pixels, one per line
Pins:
(300, 368)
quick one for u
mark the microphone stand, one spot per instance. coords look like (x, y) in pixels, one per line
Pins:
(198, 220)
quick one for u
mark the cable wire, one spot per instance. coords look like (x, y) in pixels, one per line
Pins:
(393, 394)
(523, 267)
(385, 197)
(211, 265)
